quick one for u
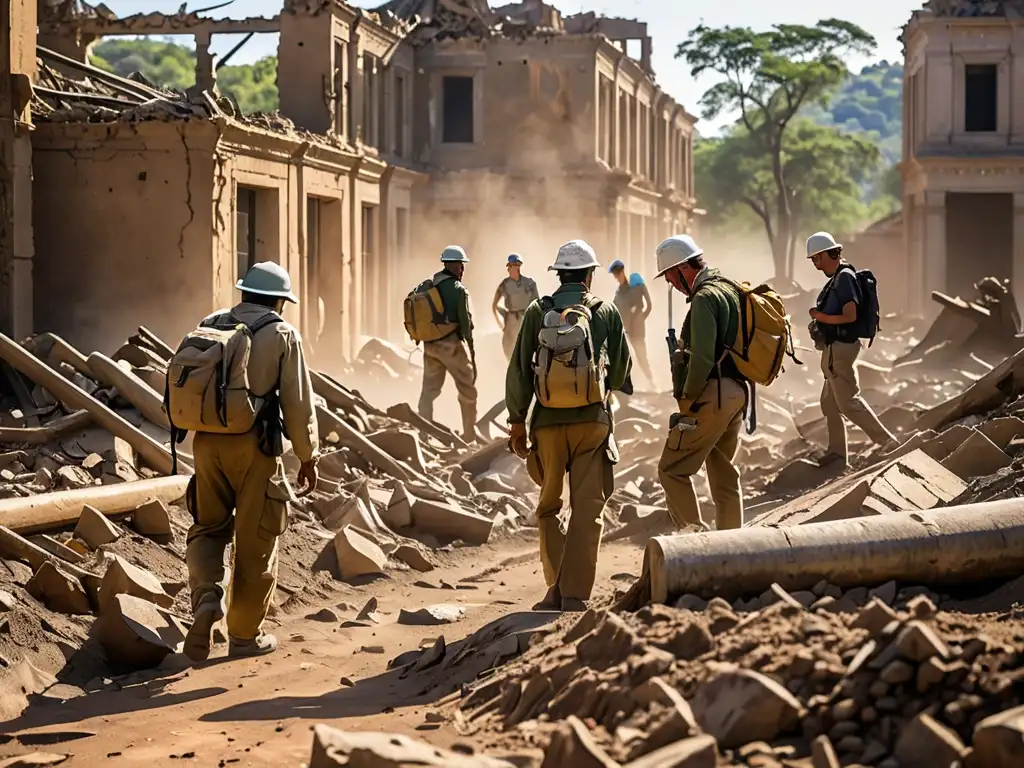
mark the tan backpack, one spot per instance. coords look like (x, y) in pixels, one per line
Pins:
(425, 315)
(208, 378)
(568, 371)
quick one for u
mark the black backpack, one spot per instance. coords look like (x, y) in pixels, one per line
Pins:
(868, 322)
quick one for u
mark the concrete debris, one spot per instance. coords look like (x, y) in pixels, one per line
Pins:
(34, 760)
(432, 615)
(357, 555)
(58, 591)
(95, 529)
(123, 578)
(153, 520)
(136, 633)
(333, 748)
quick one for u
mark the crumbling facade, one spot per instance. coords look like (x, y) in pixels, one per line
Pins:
(963, 135)
(510, 129)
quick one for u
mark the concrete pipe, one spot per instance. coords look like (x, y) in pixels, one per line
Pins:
(52, 511)
(956, 545)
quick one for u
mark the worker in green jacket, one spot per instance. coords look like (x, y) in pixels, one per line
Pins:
(574, 439)
(711, 394)
(454, 354)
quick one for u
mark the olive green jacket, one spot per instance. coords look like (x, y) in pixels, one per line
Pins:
(709, 328)
(455, 299)
(608, 333)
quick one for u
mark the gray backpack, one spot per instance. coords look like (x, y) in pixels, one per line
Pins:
(568, 371)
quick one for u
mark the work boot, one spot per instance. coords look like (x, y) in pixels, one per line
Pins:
(831, 461)
(199, 639)
(261, 645)
(890, 445)
(552, 601)
(574, 605)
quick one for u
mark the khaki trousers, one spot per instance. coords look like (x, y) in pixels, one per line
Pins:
(448, 355)
(513, 322)
(639, 345)
(240, 495)
(840, 396)
(569, 556)
(714, 443)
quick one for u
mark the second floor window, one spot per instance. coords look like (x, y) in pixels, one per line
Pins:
(457, 110)
(980, 98)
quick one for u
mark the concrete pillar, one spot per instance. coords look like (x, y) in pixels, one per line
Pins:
(206, 75)
(17, 67)
(646, 51)
(934, 265)
(1017, 278)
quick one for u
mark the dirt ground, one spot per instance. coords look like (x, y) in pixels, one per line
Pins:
(261, 712)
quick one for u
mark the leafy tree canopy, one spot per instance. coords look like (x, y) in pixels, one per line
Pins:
(170, 65)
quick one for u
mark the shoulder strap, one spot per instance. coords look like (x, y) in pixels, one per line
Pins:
(547, 303)
(268, 319)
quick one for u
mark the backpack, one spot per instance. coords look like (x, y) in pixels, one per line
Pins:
(869, 318)
(568, 371)
(208, 378)
(425, 318)
(763, 334)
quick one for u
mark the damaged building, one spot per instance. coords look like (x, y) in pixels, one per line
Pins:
(963, 136)
(400, 130)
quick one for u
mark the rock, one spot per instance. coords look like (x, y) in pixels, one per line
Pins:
(58, 591)
(357, 555)
(333, 748)
(153, 520)
(692, 642)
(93, 464)
(896, 672)
(696, 752)
(924, 741)
(886, 592)
(123, 578)
(369, 611)
(921, 607)
(823, 754)
(324, 614)
(573, 744)
(739, 706)
(977, 456)
(875, 616)
(74, 477)
(998, 741)
(34, 760)
(136, 633)
(918, 642)
(7, 601)
(432, 615)
(414, 557)
(95, 529)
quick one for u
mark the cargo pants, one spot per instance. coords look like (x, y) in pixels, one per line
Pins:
(510, 334)
(569, 556)
(449, 355)
(639, 345)
(840, 396)
(713, 443)
(240, 495)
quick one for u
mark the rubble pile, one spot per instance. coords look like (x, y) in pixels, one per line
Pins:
(822, 678)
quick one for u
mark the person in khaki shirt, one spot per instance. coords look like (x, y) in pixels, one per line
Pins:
(517, 290)
(239, 493)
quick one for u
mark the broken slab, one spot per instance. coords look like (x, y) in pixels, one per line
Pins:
(739, 706)
(977, 456)
(34, 760)
(333, 748)
(58, 591)
(925, 741)
(136, 633)
(998, 741)
(573, 744)
(95, 529)
(432, 615)
(415, 557)
(695, 752)
(123, 578)
(357, 555)
(152, 520)
(1003, 430)
(402, 444)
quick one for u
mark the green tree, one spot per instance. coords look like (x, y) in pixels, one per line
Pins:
(169, 65)
(768, 78)
(824, 168)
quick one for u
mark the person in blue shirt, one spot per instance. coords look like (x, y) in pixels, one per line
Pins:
(633, 301)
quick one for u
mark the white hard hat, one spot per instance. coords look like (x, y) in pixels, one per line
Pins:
(268, 279)
(674, 251)
(454, 253)
(576, 254)
(821, 241)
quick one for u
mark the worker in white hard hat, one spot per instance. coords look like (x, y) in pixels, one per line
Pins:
(834, 318)
(239, 492)
(516, 292)
(454, 354)
(711, 395)
(571, 429)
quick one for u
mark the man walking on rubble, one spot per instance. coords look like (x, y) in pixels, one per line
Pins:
(570, 355)
(711, 394)
(239, 492)
(835, 332)
(517, 291)
(633, 301)
(451, 351)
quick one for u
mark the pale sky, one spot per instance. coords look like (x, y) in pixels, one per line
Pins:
(670, 21)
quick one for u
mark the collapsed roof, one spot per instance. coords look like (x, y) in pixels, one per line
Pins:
(1010, 9)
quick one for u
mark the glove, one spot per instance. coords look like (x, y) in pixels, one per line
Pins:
(517, 442)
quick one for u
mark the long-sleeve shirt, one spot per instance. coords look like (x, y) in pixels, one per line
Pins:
(276, 361)
(630, 300)
(709, 326)
(608, 335)
(455, 299)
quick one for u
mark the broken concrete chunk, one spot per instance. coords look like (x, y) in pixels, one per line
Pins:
(1002, 431)
(333, 748)
(58, 591)
(740, 706)
(153, 520)
(976, 457)
(919, 642)
(874, 617)
(414, 557)
(34, 760)
(924, 741)
(74, 477)
(401, 444)
(999, 741)
(823, 754)
(431, 615)
(136, 633)
(696, 752)
(573, 744)
(95, 529)
(123, 578)
(357, 555)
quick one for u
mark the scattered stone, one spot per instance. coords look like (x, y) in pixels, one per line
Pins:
(124, 578)
(8, 602)
(886, 592)
(414, 557)
(432, 615)
(34, 760)
(926, 742)
(324, 614)
(692, 642)
(58, 591)
(999, 741)
(875, 616)
(823, 754)
(333, 748)
(136, 633)
(152, 520)
(918, 642)
(95, 529)
(740, 706)
(573, 744)
(696, 752)
(357, 555)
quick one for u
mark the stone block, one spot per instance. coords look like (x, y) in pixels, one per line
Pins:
(58, 591)
(999, 741)
(152, 520)
(333, 748)
(739, 706)
(95, 529)
(357, 555)
(977, 456)
(123, 578)
(136, 633)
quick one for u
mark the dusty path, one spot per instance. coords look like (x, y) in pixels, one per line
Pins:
(260, 712)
